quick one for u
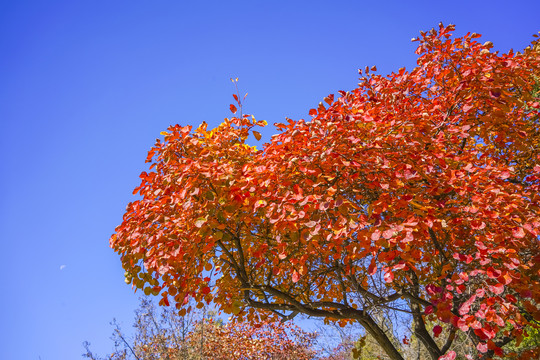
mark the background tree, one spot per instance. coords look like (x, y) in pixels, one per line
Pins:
(336, 342)
(527, 348)
(416, 193)
(157, 335)
(164, 335)
(243, 341)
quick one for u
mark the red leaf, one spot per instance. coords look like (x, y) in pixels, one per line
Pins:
(367, 118)
(375, 235)
(497, 289)
(495, 94)
(464, 309)
(437, 330)
(450, 356)
(408, 237)
(482, 347)
(478, 225)
(467, 107)
(200, 222)
(295, 276)
(311, 224)
(492, 273)
(505, 174)
(372, 268)
(518, 232)
(388, 276)
(233, 108)
(469, 167)
(480, 245)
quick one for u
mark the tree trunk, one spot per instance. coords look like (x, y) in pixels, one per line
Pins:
(380, 336)
(423, 335)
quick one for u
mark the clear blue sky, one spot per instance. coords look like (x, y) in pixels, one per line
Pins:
(86, 86)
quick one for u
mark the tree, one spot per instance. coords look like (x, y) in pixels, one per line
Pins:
(416, 193)
(243, 341)
(167, 336)
(158, 335)
(527, 349)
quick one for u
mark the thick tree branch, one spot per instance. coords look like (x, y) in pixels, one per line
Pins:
(419, 325)
(437, 244)
(449, 340)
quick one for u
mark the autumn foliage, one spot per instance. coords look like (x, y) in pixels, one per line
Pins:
(243, 341)
(416, 192)
(167, 336)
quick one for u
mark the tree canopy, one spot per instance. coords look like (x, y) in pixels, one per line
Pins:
(417, 193)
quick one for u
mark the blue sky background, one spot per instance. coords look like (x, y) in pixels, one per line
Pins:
(87, 86)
